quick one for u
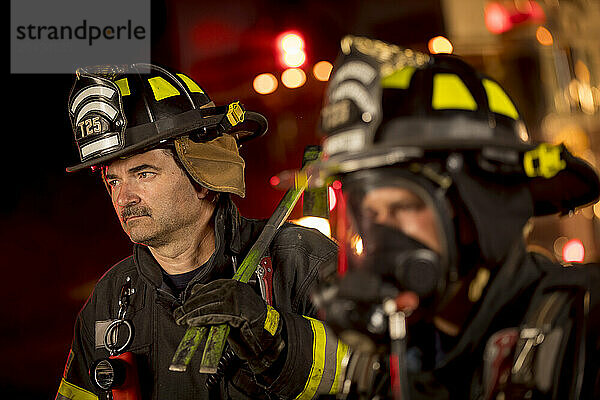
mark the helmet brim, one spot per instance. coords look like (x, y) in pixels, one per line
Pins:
(149, 135)
(576, 185)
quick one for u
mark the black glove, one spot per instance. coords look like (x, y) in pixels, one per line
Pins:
(256, 328)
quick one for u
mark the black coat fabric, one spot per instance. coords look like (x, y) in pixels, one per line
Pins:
(298, 254)
(513, 299)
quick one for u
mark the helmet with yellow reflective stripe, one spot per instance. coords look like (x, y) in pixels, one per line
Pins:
(387, 105)
(119, 110)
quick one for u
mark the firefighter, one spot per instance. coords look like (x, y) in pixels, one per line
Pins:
(441, 298)
(169, 160)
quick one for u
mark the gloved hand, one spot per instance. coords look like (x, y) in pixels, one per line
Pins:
(256, 328)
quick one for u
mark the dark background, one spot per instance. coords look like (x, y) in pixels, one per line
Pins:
(58, 234)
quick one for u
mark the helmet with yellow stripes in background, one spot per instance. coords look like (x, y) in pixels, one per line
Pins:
(450, 136)
(383, 99)
(120, 110)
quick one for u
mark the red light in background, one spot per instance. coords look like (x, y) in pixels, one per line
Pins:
(501, 16)
(291, 49)
(291, 42)
(337, 185)
(573, 251)
(497, 18)
(274, 181)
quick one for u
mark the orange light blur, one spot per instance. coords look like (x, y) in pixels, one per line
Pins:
(543, 36)
(356, 244)
(293, 78)
(322, 70)
(440, 45)
(265, 83)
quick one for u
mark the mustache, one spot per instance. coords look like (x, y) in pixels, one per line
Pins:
(135, 211)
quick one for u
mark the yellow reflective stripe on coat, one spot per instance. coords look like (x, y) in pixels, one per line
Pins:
(327, 355)
(69, 391)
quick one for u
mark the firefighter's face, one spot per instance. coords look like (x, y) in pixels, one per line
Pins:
(155, 201)
(402, 209)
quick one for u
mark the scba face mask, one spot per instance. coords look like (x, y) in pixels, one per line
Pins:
(399, 238)
(403, 221)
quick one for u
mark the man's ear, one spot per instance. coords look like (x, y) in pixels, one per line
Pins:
(202, 192)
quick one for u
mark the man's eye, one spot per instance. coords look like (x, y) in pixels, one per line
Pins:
(112, 182)
(408, 206)
(145, 175)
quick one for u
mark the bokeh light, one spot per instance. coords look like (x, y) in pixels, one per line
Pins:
(294, 60)
(543, 36)
(440, 45)
(293, 78)
(332, 198)
(573, 251)
(321, 224)
(265, 83)
(322, 70)
(497, 18)
(291, 42)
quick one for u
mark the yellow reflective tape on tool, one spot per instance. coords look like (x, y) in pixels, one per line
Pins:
(545, 161)
(235, 113)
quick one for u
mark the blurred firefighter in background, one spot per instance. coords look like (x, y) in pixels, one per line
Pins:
(441, 299)
(169, 159)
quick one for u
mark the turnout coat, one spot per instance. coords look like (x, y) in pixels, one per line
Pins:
(300, 257)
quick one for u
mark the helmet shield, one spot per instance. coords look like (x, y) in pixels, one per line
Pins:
(97, 117)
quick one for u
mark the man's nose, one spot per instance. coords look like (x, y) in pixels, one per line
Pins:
(383, 217)
(126, 195)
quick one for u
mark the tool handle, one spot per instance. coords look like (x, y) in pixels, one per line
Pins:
(218, 333)
(187, 347)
